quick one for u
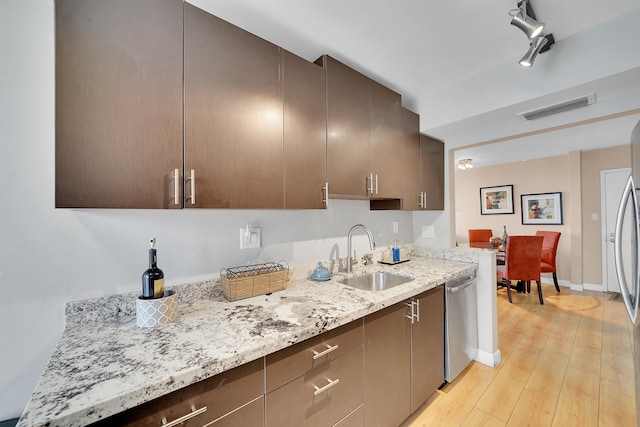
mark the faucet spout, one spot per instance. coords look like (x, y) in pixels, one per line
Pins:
(372, 244)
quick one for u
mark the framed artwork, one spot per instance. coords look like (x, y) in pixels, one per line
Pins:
(545, 208)
(496, 200)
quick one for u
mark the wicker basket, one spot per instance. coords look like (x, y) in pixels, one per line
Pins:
(251, 280)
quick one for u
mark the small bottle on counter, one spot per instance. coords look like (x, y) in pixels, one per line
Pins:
(395, 251)
(153, 278)
(505, 237)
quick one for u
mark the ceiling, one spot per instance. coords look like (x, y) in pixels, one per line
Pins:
(456, 64)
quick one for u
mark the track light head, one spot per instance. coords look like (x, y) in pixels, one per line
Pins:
(534, 49)
(527, 24)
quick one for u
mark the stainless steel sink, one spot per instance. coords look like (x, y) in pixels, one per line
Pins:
(377, 281)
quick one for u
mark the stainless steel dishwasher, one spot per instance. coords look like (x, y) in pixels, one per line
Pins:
(461, 325)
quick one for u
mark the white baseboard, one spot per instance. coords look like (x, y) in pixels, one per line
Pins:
(488, 359)
(592, 287)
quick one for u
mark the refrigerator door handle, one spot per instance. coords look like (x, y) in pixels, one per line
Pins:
(632, 306)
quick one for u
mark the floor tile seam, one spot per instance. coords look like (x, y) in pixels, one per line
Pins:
(480, 410)
(555, 399)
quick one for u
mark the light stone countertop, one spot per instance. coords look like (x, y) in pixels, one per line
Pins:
(100, 368)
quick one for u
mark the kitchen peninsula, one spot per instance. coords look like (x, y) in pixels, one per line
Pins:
(105, 364)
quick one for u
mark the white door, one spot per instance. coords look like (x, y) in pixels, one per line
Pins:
(613, 182)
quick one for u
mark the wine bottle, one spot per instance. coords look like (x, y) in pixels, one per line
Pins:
(153, 278)
(505, 236)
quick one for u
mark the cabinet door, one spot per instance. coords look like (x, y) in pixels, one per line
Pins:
(387, 151)
(118, 103)
(409, 150)
(232, 115)
(427, 359)
(387, 381)
(432, 172)
(305, 134)
(348, 157)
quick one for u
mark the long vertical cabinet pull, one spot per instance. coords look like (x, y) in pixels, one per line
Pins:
(176, 186)
(376, 184)
(326, 194)
(192, 179)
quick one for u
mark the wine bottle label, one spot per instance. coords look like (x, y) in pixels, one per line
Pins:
(158, 288)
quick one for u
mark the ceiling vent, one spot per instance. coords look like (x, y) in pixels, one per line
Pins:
(583, 101)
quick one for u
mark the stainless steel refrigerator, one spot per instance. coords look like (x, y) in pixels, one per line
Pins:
(630, 284)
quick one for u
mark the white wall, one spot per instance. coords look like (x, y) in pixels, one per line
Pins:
(49, 256)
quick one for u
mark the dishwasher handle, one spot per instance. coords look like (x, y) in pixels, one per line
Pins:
(462, 285)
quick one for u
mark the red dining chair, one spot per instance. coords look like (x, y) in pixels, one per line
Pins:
(522, 262)
(480, 235)
(549, 249)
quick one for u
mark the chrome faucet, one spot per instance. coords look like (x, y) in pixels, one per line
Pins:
(372, 244)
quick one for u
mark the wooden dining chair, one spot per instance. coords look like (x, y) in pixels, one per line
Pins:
(480, 235)
(522, 262)
(549, 249)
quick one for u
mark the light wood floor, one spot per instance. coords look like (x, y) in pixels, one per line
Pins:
(566, 363)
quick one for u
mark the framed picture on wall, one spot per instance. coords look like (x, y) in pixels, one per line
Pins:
(544, 208)
(496, 200)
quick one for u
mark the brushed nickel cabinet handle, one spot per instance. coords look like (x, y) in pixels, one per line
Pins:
(192, 179)
(176, 186)
(326, 194)
(376, 183)
(194, 413)
(417, 310)
(318, 355)
(410, 316)
(320, 390)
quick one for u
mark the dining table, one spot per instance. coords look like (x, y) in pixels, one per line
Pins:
(500, 252)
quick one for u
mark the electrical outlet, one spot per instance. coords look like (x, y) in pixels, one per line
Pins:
(250, 237)
(428, 231)
(395, 227)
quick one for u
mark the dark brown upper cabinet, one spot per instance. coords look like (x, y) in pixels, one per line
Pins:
(233, 113)
(305, 134)
(388, 173)
(409, 151)
(118, 103)
(366, 150)
(348, 124)
(431, 173)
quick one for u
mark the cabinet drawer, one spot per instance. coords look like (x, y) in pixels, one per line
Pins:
(250, 415)
(354, 419)
(302, 402)
(289, 363)
(219, 394)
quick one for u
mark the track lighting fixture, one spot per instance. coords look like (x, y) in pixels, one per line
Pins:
(465, 164)
(534, 48)
(524, 18)
(521, 19)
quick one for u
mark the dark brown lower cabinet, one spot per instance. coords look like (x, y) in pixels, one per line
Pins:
(404, 357)
(427, 349)
(323, 396)
(387, 363)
